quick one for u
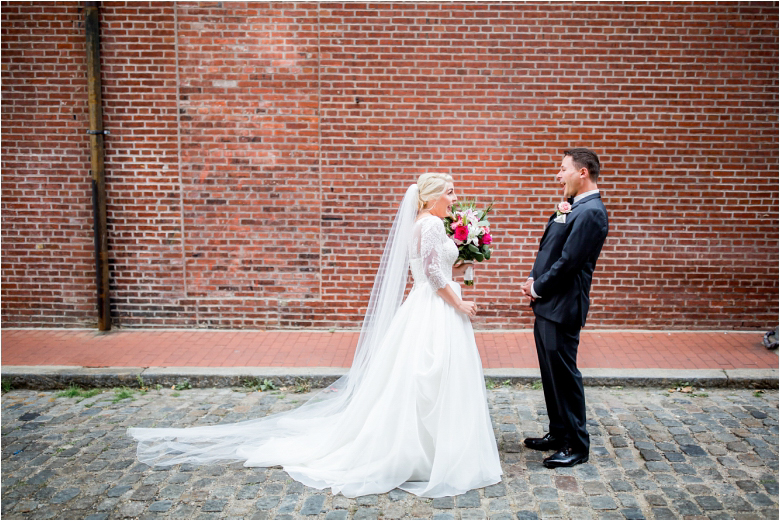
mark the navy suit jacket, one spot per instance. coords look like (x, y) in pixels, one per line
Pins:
(563, 269)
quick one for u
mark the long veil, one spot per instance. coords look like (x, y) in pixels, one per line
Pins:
(232, 442)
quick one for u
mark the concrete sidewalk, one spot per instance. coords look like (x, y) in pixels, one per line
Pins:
(52, 358)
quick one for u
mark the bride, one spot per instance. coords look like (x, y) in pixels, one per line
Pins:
(411, 413)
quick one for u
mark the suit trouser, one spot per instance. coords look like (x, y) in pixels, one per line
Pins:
(564, 394)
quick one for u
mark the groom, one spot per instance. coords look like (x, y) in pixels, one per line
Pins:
(558, 288)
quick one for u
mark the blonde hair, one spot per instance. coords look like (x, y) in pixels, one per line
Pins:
(431, 186)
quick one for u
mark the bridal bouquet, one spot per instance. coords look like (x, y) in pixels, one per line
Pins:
(470, 230)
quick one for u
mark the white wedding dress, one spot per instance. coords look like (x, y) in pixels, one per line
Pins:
(414, 416)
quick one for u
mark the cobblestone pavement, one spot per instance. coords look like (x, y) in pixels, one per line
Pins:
(657, 455)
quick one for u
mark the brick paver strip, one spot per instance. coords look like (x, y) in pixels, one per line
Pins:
(215, 348)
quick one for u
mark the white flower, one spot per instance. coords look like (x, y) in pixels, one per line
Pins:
(474, 231)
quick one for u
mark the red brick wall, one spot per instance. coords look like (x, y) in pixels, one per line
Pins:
(48, 266)
(258, 151)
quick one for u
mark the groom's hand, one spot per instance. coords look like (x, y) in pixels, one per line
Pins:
(526, 288)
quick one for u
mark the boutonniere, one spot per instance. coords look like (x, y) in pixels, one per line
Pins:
(563, 209)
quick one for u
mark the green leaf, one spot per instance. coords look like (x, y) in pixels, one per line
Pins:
(479, 257)
(473, 249)
(486, 211)
(487, 255)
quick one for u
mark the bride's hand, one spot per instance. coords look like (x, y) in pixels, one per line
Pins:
(468, 307)
(459, 269)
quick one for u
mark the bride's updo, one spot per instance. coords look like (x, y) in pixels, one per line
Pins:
(431, 186)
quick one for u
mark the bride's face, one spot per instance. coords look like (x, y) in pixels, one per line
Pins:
(442, 207)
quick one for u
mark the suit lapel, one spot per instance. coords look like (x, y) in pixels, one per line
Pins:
(546, 229)
(549, 222)
(575, 205)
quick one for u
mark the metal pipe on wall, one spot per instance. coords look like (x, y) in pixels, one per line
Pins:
(96, 135)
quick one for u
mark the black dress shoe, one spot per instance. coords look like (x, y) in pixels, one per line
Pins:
(565, 457)
(549, 442)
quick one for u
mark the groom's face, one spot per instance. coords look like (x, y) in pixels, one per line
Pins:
(570, 178)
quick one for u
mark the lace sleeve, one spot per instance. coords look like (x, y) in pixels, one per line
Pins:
(431, 243)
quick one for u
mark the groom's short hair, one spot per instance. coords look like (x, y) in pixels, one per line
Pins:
(585, 158)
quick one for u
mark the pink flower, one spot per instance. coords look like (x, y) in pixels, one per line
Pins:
(564, 207)
(461, 233)
(485, 239)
